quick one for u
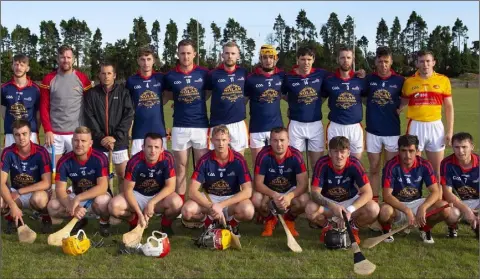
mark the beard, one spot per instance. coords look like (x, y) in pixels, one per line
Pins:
(267, 70)
(345, 68)
(230, 63)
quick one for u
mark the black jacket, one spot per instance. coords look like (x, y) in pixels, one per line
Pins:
(120, 115)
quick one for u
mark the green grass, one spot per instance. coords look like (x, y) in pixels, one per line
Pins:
(261, 257)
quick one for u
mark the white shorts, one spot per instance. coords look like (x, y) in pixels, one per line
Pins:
(9, 139)
(24, 199)
(238, 135)
(472, 204)
(345, 203)
(62, 143)
(184, 138)
(300, 131)
(401, 218)
(137, 147)
(431, 135)
(353, 132)
(217, 199)
(72, 195)
(375, 143)
(257, 140)
(119, 156)
(142, 200)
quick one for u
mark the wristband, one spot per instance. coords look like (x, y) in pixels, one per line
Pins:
(351, 209)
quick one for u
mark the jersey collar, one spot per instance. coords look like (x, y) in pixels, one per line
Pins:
(258, 71)
(293, 72)
(340, 171)
(392, 72)
(161, 157)
(222, 67)
(179, 70)
(287, 155)
(417, 74)
(474, 162)
(351, 74)
(33, 150)
(145, 77)
(231, 157)
(29, 83)
(89, 153)
(406, 170)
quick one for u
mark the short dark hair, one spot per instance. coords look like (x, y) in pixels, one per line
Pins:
(20, 123)
(383, 51)
(63, 48)
(108, 64)
(145, 51)
(424, 52)
(339, 143)
(186, 42)
(21, 58)
(153, 136)
(302, 51)
(461, 136)
(407, 140)
(278, 130)
(344, 48)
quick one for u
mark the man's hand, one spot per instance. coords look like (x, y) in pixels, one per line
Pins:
(448, 138)
(471, 218)
(411, 218)
(337, 212)
(72, 206)
(361, 73)
(16, 214)
(49, 138)
(421, 220)
(148, 211)
(216, 211)
(80, 212)
(108, 142)
(15, 195)
(287, 199)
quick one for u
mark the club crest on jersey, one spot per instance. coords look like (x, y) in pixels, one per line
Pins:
(23, 179)
(307, 95)
(220, 188)
(382, 97)
(269, 96)
(232, 92)
(346, 100)
(338, 193)
(189, 94)
(18, 111)
(148, 99)
(280, 184)
(467, 193)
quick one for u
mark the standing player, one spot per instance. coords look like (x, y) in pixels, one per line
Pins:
(149, 187)
(227, 83)
(403, 179)
(186, 86)
(87, 169)
(302, 88)
(223, 174)
(384, 89)
(281, 176)
(341, 184)
(109, 114)
(28, 165)
(61, 102)
(344, 92)
(20, 100)
(460, 172)
(263, 89)
(146, 88)
(425, 93)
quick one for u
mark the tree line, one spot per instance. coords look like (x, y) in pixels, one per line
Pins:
(449, 43)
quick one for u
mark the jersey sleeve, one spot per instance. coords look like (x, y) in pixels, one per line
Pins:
(86, 83)
(261, 166)
(318, 178)
(166, 84)
(61, 171)
(170, 166)
(3, 98)
(448, 88)
(360, 176)
(247, 90)
(324, 90)
(45, 103)
(130, 170)
(387, 176)
(405, 89)
(6, 160)
(428, 174)
(44, 162)
(445, 177)
(244, 172)
(299, 164)
(209, 81)
(285, 85)
(364, 92)
(102, 165)
(200, 172)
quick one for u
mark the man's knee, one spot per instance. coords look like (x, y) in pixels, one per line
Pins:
(257, 199)
(116, 205)
(245, 211)
(386, 213)
(312, 210)
(189, 209)
(39, 200)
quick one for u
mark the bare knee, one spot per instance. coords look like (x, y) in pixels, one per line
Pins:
(257, 199)
(116, 206)
(54, 207)
(386, 213)
(245, 211)
(189, 209)
(39, 200)
(100, 203)
(312, 210)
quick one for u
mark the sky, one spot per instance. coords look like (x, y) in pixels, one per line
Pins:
(115, 19)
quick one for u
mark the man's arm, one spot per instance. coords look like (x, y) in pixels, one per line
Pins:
(45, 104)
(244, 194)
(95, 191)
(432, 197)
(128, 193)
(448, 104)
(122, 129)
(196, 196)
(319, 199)
(42, 185)
(393, 201)
(366, 195)
(5, 192)
(61, 192)
(167, 96)
(208, 94)
(91, 117)
(403, 103)
(167, 190)
(261, 187)
(302, 181)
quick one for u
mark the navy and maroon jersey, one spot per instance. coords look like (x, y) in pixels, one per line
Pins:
(383, 100)
(280, 176)
(265, 94)
(344, 98)
(222, 180)
(339, 185)
(150, 178)
(465, 182)
(147, 98)
(82, 174)
(20, 103)
(228, 95)
(189, 100)
(303, 95)
(407, 184)
(25, 171)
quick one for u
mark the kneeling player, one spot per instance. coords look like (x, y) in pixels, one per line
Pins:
(460, 171)
(149, 187)
(87, 169)
(281, 176)
(28, 165)
(341, 184)
(403, 179)
(223, 174)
